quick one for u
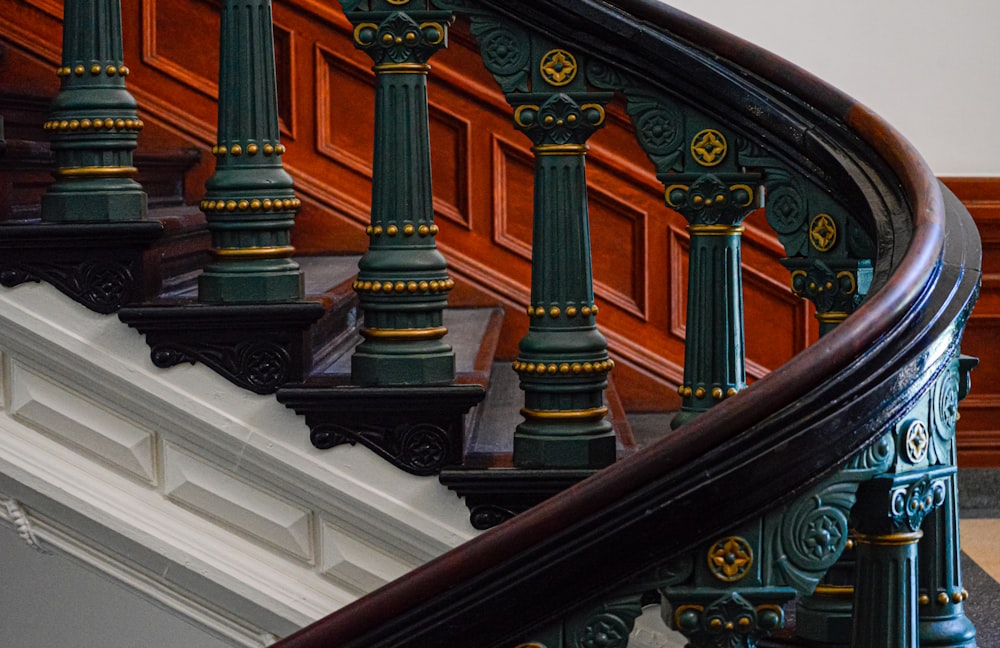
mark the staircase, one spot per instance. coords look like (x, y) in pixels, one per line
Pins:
(271, 456)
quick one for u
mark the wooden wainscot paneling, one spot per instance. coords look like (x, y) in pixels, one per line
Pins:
(52, 7)
(452, 176)
(618, 232)
(180, 39)
(979, 425)
(284, 72)
(345, 111)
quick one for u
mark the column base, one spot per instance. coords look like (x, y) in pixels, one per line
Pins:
(385, 364)
(564, 445)
(111, 206)
(281, 282)
(684, 416)
(950, 632)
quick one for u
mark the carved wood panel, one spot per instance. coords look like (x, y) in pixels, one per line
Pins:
(979, 425)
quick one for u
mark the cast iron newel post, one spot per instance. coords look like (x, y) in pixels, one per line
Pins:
(249, 203)
(563, 361)
(403, 281)
(93, 123)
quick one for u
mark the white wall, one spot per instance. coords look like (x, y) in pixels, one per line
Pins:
(51, 601)
(930, 68)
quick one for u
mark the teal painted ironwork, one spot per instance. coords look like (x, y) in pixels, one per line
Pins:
(885, 594)
(707, 183)
(403, 280)
(714, 204)
(943, 623)
(607, 625)
(563, 361)
(93, 122)
(913, 493)
(249, 201)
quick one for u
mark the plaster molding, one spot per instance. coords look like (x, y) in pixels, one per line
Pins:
(143, 584)
(214, 493)
(15, 514)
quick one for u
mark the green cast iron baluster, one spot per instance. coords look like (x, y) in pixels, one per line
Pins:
(714, 204)
(563, 361)
(942, 621)
(250, 204)
(403, 280)
(93, 122)
(709, 185)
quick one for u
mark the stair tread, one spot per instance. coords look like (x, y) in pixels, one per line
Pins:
(467, 330)
(490, 442)
(321, 275)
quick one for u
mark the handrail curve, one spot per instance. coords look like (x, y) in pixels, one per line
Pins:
(778, 437)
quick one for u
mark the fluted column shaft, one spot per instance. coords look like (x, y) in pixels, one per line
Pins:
(93, 122)
(714, 351)
(885, 593)
(402, 280)
(249, 203)
(714, 364)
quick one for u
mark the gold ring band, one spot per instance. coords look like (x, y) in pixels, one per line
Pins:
(434, 333)
(595, 413)
(254, 252)
(97, 172)
(890, 540)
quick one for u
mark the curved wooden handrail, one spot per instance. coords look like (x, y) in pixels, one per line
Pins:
(778, 437)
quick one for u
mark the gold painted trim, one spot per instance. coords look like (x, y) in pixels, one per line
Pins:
(834, 317)
(434, 333)
(521, 109)
(357, 30)
(717, 140)
(600, 110)
(276, 251)
(681, 609)
(854, 282)
(890, 540)
(436, 25)
(796, 273)
(715, 230)
(750, 192)
(97, 172)
(561, 77)
(402, 68)
(594, 413)
(670, 188)
(837, 591)
(560, 149)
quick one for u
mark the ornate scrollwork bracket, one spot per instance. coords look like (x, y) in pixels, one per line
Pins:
(258, 348)
(416, 429)
(103, 266)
